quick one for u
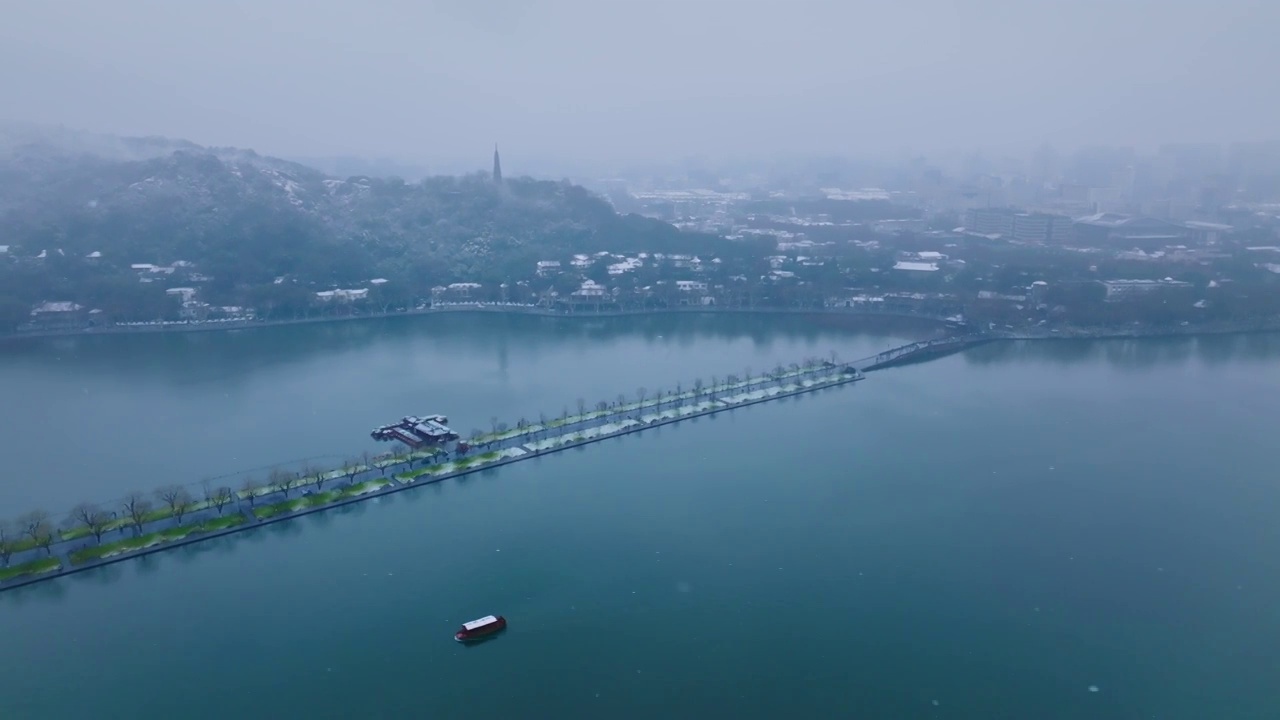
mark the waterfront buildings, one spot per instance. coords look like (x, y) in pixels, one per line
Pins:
(1119, 230)
(1022, 226)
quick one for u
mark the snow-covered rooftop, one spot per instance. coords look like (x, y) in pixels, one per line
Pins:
(56, 307)
(915, 266)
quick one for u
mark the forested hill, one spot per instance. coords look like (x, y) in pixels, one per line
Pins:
(243, 220)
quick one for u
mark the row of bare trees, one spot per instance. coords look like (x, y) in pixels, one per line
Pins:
(285, 482)
(700, 390)
(282, 481)
(35, 529)
(136, 508)
(659, 398)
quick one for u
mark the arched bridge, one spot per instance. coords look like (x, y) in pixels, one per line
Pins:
(920, 351)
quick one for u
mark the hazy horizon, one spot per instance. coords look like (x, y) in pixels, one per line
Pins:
(572, 82)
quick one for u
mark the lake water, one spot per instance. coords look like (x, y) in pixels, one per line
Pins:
(983, 536)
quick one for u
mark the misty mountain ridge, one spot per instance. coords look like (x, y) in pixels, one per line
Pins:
(101, 204)
(32, 139)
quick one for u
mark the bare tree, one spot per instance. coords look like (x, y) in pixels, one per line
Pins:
(542, 419)
(93, 518)
(284, 481)
(582, 407)
(218, 498)
(476, 435)
(398, 457)
(493, 423)
(350, 469)
(640, 393)
(136, 506)
(502, 428)
(36, 526)
(206, 492)
(251, 488)
(178, 500)
(312, 475)
(602, 406)
(386, 461)
(622, 400)
(8, 539)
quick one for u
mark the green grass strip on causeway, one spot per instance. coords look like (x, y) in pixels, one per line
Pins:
(34, 567)
(120, 547)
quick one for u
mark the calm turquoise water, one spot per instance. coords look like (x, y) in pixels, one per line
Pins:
(995, 531)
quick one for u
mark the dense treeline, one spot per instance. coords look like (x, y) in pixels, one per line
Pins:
(244, 221)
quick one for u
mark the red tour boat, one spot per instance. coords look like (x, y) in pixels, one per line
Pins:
(477, 629)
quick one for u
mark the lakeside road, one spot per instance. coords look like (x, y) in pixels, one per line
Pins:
(1033, 333)
(1140, 333)
(452, 308)
(74, 549)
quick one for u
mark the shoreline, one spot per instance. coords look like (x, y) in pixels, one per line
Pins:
(1190, 331)
(536, 311)
(495, 309)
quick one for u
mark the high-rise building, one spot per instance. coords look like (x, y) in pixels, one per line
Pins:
(1041, 227)
(497, 166)
(1023, 226)
(990, 221)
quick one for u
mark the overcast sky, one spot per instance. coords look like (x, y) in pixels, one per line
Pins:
(631, 79)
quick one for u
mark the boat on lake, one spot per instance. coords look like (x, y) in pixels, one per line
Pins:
(480, 628)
